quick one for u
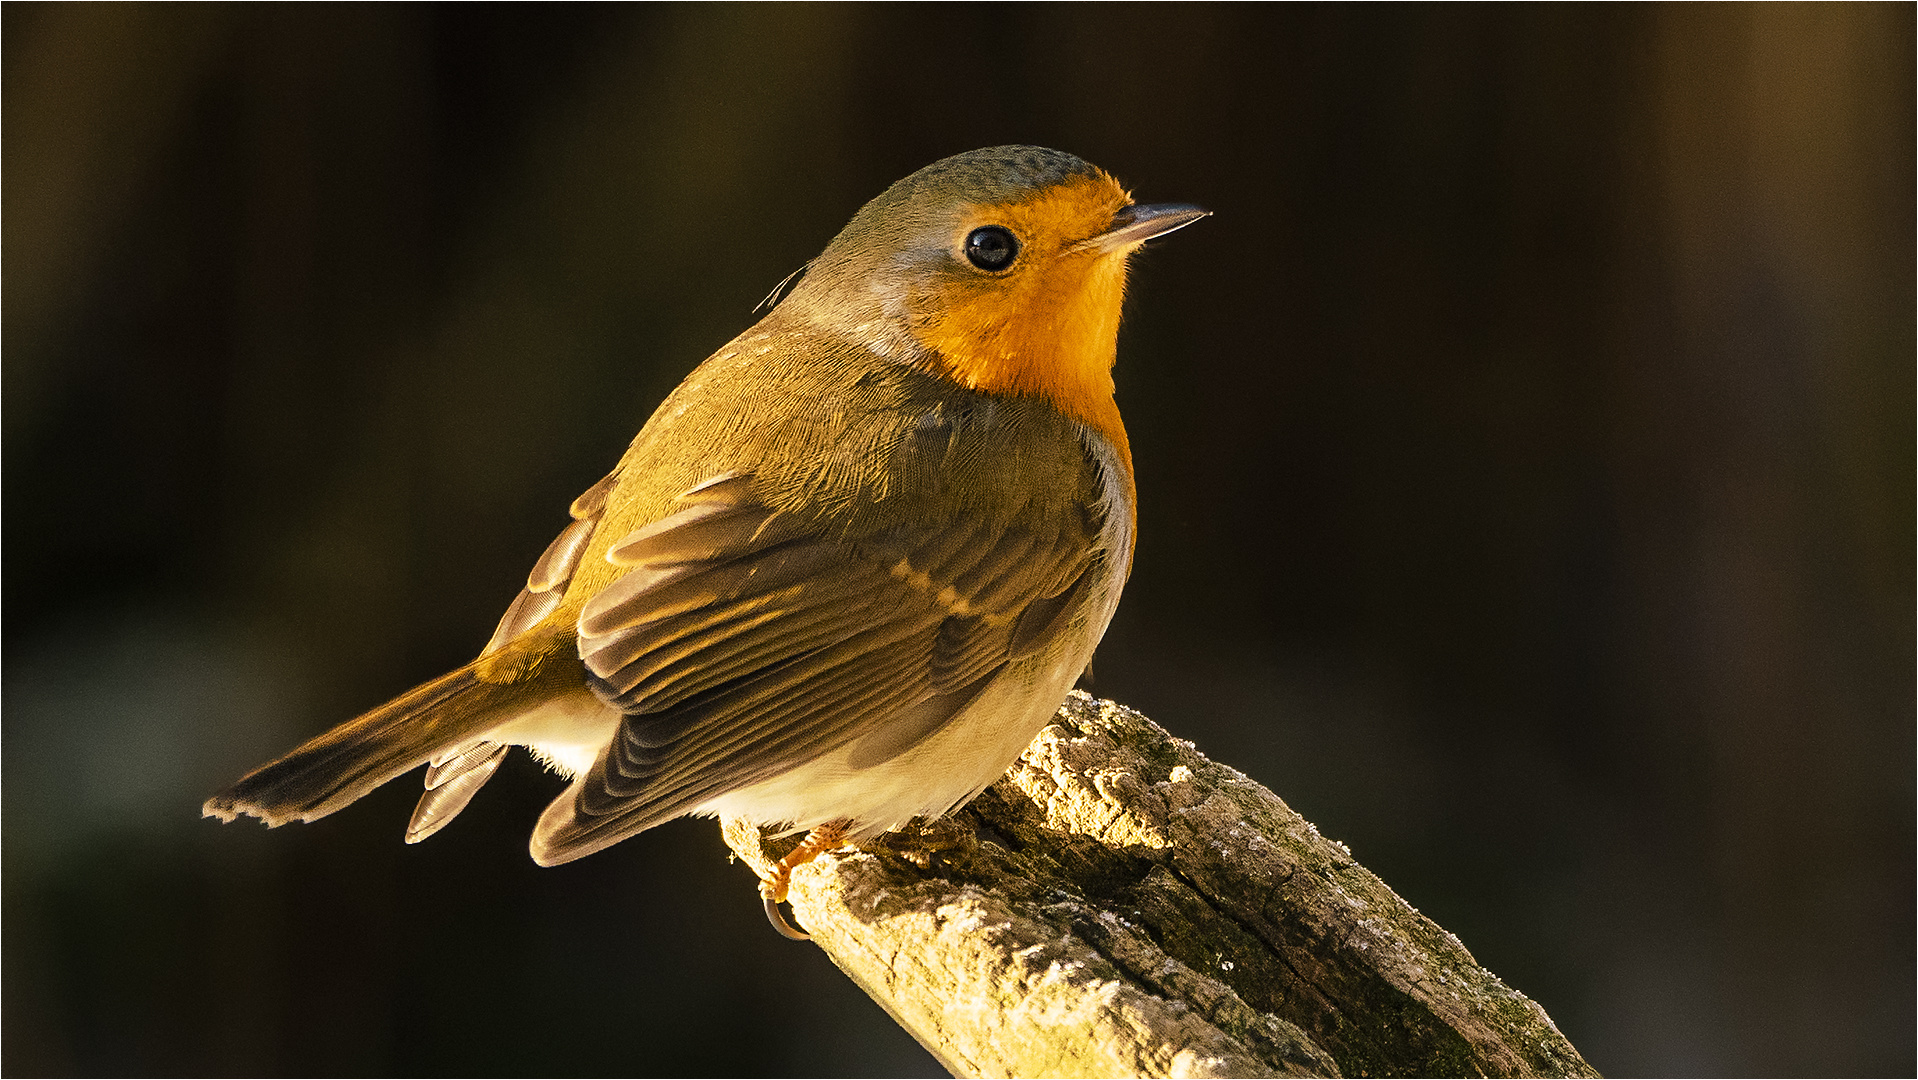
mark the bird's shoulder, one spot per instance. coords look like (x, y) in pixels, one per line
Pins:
(840, 440)
(837, 431)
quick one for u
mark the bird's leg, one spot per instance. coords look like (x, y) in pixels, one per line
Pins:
(773, 885)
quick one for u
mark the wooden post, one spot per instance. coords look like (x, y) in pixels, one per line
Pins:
(1120, 905)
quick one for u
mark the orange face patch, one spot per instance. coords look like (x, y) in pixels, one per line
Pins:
(1048, 325)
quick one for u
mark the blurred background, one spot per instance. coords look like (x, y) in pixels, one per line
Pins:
(1526, 478)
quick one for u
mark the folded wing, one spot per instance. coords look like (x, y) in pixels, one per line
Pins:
(744, 642)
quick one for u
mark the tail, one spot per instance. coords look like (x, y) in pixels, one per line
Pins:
(334, 769)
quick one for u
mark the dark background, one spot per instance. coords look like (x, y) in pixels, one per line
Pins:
(1525, 464)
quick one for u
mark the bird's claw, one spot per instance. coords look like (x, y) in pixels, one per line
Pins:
(778, 919)
(773, 885)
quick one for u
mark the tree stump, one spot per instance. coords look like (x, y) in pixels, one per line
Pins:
(1119, 905)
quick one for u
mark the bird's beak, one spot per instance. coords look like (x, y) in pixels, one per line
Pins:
(1134, 225)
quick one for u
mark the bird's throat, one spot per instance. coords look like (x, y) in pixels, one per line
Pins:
(1055, 339)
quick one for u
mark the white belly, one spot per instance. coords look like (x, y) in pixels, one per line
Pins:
(565, 735)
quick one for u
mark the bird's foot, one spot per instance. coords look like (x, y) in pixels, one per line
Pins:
(927, 844)
(773, 885)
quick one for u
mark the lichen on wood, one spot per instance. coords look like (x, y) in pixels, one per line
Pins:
(1120, 905)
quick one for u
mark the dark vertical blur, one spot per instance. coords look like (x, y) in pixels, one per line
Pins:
(1526, 465)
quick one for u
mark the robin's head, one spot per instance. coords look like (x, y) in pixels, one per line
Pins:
(1002, 269)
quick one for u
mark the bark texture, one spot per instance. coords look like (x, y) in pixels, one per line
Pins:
(1120, 905)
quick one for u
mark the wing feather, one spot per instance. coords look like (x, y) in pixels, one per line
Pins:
(592, 502)
(743, 642)
(556, 566)
(685, 776)
(452, 783)
(450, 787)
(527, 610)
(686, 667)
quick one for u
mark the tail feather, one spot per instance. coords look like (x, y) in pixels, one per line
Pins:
(334, 769)
(450, 786)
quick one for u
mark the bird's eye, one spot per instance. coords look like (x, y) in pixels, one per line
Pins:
(991, 247)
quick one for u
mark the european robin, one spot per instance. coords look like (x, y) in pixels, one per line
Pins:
(847, 570)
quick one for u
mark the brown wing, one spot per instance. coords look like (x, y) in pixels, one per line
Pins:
(743, 643)
(458, 774)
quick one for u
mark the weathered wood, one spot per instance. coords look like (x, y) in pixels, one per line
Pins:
(1120, 905)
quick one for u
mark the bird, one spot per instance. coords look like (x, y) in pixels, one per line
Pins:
(847, 570)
